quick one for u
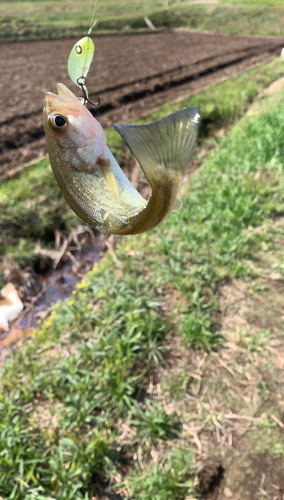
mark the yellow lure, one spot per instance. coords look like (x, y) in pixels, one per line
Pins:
(80, 60)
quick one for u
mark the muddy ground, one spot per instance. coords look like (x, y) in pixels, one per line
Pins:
(132, 74)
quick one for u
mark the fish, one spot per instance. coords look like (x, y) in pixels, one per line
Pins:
(91, 180)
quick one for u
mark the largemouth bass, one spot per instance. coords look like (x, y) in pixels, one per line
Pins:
(91, 180)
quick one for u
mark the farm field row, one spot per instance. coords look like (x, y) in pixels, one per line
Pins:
(133, 75)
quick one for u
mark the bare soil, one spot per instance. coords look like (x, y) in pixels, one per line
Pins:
(132, 74)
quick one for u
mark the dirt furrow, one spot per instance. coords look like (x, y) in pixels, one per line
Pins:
(132, 74)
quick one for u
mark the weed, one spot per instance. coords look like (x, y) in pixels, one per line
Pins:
(171, 478)
(154, 422)
(255, 343)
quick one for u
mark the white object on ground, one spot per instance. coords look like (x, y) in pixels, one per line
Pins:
(10, 305)
(149, 23)
(282, 52)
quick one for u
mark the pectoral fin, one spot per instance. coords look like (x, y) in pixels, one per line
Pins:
(108, 175)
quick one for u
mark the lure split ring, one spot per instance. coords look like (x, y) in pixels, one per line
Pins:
(81, 81)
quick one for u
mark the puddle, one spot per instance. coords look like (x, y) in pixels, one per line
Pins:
(56, 286)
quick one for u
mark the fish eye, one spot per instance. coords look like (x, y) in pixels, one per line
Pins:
(58, 122)
(78, 49)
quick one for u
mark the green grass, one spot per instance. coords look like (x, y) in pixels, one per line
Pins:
(236, 19)
(49, 18)
(75, 405)
(32, 206)
(265, 3)
(153, 422)
(170, 481)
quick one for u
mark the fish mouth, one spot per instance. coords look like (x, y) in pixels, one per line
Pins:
(63, 102)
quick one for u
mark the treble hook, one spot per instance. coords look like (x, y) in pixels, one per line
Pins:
(81, 82)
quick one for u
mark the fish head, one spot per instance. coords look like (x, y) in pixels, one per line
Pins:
(72, 133)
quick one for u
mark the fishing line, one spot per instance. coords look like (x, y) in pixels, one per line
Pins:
(93, 22)
(92, 25)
(82, 80)
(80, 59)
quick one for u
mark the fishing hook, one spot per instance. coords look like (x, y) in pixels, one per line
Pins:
(81, 82)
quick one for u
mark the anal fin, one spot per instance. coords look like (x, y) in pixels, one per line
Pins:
(113, 222)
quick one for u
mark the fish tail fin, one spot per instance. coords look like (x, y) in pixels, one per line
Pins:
(164, 147)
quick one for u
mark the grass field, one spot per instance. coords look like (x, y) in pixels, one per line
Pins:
(47, 19)
(130, 382)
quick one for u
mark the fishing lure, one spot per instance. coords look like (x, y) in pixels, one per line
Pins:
(79, 63)
(80, 60)
(91, 180)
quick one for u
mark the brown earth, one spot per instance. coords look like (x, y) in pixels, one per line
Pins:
(132, 74)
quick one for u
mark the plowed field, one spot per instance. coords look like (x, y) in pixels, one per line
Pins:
(132, 74)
